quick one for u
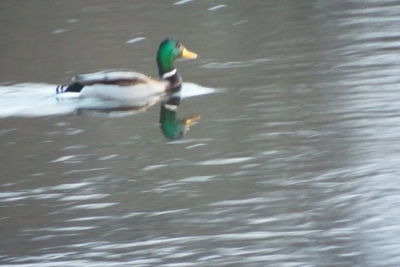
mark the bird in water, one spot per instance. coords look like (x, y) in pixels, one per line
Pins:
(132, 89)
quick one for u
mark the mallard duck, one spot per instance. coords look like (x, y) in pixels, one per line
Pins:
(133, 87)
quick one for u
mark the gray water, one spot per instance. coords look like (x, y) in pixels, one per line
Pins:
(295, 161)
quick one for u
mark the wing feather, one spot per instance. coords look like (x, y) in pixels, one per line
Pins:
(121, 78)
(121, 85)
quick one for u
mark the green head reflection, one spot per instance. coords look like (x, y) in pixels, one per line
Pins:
(171, 126)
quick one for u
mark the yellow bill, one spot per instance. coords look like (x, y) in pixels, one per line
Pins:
(188, 54)
(192, 120)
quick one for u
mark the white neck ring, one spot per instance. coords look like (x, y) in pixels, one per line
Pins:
(169, 74)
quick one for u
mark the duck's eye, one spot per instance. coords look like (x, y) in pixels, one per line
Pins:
(178, 45)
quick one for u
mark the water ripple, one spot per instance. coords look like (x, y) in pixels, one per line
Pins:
(235, 64)
(224, 161)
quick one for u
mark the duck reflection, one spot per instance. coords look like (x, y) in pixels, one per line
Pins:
(171, 126)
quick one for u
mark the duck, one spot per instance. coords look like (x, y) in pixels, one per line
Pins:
(133, 88)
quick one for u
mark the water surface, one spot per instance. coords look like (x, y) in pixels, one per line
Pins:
(294, 163)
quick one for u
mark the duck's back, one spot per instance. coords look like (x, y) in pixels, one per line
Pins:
(109, 77)
(119, 85)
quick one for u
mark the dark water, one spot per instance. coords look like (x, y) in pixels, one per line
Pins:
(295, 161)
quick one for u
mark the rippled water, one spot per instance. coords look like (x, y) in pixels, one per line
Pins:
(294, 163)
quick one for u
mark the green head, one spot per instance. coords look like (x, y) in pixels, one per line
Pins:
(168, 51)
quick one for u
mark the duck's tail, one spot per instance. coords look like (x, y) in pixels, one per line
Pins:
(74, 88)
(61, 89)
